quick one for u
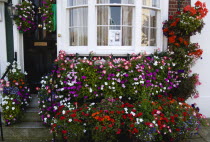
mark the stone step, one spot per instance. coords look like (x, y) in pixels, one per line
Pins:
(34, 101)
(31, 115)
(27, 131)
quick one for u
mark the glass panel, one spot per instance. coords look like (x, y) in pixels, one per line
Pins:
(77, 2)
(115, 15)
(114, 36)
(153, 17)
(127, 17)
(153, 3)
(79, 36)
(115, 1)
(79, 17)
(127, 36)
(102, 36)
(103, 14)
(145, 36)
(153, 36)
(145, 17)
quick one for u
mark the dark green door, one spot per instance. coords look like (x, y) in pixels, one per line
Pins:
(39, 49)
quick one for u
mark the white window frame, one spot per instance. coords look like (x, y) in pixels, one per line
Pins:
(63, 32)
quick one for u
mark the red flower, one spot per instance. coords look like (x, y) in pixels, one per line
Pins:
(172, 39)
(118, 131)
(96, 128)
(135, 130)
(73, 115)
(198, 4)
(64, 131)
(132, 125)
(139, 114)
(177, 129)
(62, 118)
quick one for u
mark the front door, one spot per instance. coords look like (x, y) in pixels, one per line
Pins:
(40, 48)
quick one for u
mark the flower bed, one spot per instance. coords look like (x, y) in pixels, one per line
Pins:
(141, 99)
(15, 95)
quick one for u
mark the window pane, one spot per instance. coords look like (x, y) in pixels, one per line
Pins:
(153, 17)
(115, 17)
(145, 17)
(78, 36)
(127, 36)
(145, 36)
(114, 36)
(77, 2)
(127, 17)
(79, 17)
(103, 15)
(153, 36)
(152, 3)
(116, 1)
(102, 36)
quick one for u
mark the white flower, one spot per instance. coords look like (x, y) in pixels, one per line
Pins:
(142, 82)
(13, 108)
(13, 70)
(141, 120)
(7, 107)
(120, 97)
(70, 120)
(105, 83)
(45, 119)
(25, 73)
(132, 113)
(63, 112)
(113, 83)
(155, 63)
(91, 90)
(84, 130)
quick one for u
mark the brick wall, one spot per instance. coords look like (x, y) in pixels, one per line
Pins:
(173, 5)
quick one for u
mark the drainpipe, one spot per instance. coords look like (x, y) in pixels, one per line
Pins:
(179, 5)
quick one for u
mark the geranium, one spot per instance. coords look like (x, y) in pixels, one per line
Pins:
(25, 20)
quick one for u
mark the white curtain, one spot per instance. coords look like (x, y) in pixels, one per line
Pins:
(116, 1)
(77, 2)
(78, 26)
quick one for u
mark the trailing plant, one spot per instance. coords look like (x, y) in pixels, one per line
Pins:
(47, 16)
(25, 19)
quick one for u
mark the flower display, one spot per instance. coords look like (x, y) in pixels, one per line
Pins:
(140, 99)
(16, 95)
(47, 16)
(184, 24)
(25, 20)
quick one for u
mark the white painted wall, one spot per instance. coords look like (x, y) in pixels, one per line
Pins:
(3, 50)
(18, 41)
(202, 66)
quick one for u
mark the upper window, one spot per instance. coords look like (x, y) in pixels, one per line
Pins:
(114, 23)
(78, 24)
(150, 11)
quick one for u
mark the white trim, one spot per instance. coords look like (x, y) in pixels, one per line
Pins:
(3, 53)
(3, 0)
(18, 42)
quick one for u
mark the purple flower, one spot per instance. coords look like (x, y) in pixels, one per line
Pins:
(84, 77)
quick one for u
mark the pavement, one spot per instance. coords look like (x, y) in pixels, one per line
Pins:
(202, 136)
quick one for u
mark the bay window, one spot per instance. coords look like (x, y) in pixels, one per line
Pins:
(111, 26)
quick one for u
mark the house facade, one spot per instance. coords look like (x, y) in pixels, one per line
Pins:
(102, 27)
